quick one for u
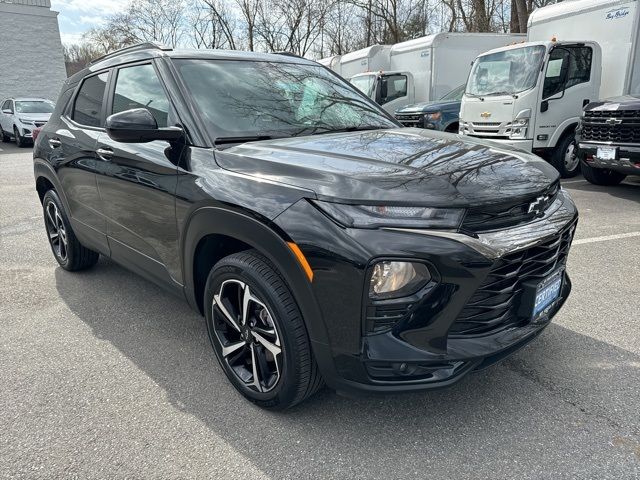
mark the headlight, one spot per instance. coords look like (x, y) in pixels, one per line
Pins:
(392, 279)
(519, 128)
(433, 116)
(25, 121)
(375, 216)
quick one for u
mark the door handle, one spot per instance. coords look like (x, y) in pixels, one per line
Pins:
(104, 154)
(54, 142)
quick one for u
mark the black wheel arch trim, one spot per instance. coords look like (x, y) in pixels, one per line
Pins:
(213, 220)
(42, 169)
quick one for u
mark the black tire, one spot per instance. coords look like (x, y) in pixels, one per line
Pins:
(5, 137)
(71, 255)
(20, 142)
(559, 157)
(601, 176)
(291, 375)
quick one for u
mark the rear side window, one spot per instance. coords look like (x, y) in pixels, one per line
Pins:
(140, 87)
(87, 109)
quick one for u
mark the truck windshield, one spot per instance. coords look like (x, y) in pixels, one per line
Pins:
(507, 72)
(365, 83)
(250, 98)
(34, 106)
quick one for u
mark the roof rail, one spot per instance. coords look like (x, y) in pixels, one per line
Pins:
(132, 48)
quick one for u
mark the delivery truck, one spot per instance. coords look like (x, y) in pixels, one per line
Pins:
(531, 96)
(423, 69)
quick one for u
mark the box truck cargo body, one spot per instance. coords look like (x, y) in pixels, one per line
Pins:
(531, 96)
(426, 68)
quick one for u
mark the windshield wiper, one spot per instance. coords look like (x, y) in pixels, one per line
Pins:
(245, 139)
(351, 129)
(495, 94)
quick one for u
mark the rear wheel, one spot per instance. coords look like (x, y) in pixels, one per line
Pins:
(257, 332)
(66, 248)
(601, 176)
(565, 157)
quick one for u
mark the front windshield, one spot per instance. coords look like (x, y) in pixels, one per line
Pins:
(364, 83)
(507, 72)
(34, 106)
(249, 98)
(455, 94)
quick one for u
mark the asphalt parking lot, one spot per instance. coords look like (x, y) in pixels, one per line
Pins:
(103, 375)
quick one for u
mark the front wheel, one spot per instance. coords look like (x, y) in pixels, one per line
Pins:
(257, 332)
(565, 157)
(601, 176)
(5, 137)
(66, 248)
(20, 142)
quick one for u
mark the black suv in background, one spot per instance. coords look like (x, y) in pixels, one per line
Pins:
(608, 140)
(321, 242)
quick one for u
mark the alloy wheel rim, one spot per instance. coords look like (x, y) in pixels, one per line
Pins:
(570, 157)
(247, 335)
(56, 231)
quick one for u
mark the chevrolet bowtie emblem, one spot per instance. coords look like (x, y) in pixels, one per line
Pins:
(485, 114)
(613, 121)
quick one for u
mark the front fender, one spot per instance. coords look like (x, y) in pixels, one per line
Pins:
(212, 220)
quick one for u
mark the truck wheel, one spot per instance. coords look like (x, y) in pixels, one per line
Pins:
(601, 176)
(66, 248)
(257, 332)
(565, 157)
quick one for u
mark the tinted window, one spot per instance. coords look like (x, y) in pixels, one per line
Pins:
(88, 105)
(139, 87)
(455, 94)
(265, 98)
(567, 66)
(396, 87)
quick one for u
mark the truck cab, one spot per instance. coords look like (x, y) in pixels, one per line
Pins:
(531, 95)
(391, 90)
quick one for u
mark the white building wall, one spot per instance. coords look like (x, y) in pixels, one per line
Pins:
(31, 58)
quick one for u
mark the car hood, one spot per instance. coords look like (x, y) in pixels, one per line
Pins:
(627, 102)
(400, 166)
(34, 117)
(430, 106)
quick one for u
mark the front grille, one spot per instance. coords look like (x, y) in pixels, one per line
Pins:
(485, 124)
(596, 126)
(510, 214)
(410, 119)
(495, 304)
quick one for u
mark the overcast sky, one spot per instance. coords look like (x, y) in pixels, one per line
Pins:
(78, 16)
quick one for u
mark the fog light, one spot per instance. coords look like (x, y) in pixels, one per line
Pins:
(392, 279)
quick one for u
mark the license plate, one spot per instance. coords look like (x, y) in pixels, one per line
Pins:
(547, 292)
(607, 153)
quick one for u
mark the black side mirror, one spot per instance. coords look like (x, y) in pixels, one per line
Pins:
(138, 125)
(544, 106)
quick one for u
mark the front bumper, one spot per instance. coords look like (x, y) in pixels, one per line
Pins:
(421, 351)
(627, 159)
(526, 145)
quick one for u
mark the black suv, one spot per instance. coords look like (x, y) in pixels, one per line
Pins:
(608, 139)
(321, 241)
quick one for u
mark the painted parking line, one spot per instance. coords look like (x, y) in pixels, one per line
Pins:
(606, 238)
(572, 181)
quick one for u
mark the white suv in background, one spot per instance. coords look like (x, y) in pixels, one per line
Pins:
(20, 116)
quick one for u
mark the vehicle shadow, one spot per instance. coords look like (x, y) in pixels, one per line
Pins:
(557, 395)
(628, 190)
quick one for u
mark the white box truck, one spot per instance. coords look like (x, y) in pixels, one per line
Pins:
(531, 95)
(370, 59)
(426, 68)
(332, 63)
